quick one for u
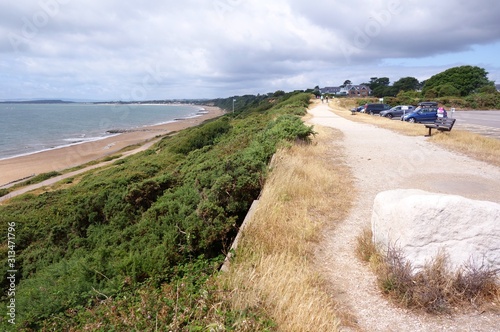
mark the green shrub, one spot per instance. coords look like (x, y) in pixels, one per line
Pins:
(201, 136)
(55, 288)
(289, 128)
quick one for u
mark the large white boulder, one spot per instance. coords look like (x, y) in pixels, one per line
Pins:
(423, 224)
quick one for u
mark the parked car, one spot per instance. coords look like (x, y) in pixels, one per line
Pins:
(358, 109)
(397, 111)
(375, 108)
(423, 114)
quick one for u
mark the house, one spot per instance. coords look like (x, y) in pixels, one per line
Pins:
(359, 91)
(330, 90)
(348, 90)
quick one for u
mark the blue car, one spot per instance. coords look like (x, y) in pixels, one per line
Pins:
(424, 114)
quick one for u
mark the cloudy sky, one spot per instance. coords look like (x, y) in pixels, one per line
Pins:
(163, 49)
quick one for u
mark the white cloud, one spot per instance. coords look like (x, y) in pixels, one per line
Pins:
(109, 48)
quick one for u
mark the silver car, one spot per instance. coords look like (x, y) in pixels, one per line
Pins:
(397, 111)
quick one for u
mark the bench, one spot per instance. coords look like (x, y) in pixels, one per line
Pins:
(441, 124)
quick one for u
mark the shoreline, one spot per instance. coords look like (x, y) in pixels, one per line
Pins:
(59, 147)
(14, 169)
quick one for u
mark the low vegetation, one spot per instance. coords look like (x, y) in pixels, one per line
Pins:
(435, 288)
(135, 245)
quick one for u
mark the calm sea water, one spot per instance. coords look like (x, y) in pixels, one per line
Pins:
(29, 128)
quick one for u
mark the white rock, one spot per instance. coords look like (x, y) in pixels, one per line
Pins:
(422, 224)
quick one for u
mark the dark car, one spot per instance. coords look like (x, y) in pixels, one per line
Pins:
(424, 114)
(358, 109)
(375, 108)
(397, 111)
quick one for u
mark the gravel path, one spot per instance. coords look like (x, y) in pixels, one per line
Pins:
(383, 160)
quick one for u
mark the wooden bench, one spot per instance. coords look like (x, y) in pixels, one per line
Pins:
(441, 124)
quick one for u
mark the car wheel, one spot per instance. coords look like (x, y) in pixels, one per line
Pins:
(412, 120)
(389, 116)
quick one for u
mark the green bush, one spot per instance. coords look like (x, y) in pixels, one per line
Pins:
(448, 90)
(288, 127)
(201, 136)
(57, 287)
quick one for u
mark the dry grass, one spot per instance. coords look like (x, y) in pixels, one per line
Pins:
(366, 249)
(474, 145)
(470, 144)
(435, 288)
(274, 266)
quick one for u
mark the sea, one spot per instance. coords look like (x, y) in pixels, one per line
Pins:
(31, 128)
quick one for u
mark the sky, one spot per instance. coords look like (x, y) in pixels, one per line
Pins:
(165, 49)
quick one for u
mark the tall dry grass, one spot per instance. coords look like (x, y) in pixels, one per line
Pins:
(273, 267)
(476, 146)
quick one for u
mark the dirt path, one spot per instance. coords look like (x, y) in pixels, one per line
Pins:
(383, 160)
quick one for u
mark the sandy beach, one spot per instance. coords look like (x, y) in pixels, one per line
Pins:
(58, 159)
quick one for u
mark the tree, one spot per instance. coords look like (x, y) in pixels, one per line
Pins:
(278, 93)
(346, 82)
(448, 90)
(384, 91)
(376, 81)
(430, 93)
(408, 97)
(316, 91)
(466, 79)
(406, 84)
(488, 89)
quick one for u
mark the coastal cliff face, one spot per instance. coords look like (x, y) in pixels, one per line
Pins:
(146, 221)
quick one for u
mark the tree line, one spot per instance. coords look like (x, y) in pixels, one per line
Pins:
(454, 82)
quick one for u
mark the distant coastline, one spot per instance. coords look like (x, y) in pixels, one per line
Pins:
(41, 101)
(119, 102)
(29, 127)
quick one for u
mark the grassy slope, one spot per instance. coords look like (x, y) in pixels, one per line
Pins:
(145, 234)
